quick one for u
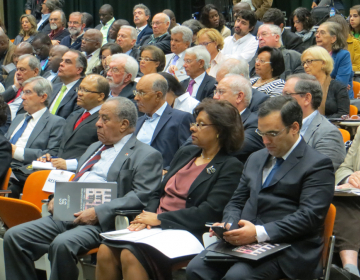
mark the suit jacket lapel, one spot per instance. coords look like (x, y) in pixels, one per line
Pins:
(55, 91)
(139, 124)
(14, 125)
(38, 128)
(163, 120)
(69, 95)
(88, 154)
(245, 115)
(87, 120)
(201, 87)
(313, 126)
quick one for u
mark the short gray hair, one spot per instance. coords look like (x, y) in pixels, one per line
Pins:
(142, 6)
(33, 62)
(235, 66)
(133, 33)
(161, 85)
(186, 32)
(131, 65)
(335, 29)
(83, 19)
(62, 15)
(274, 30)
(201, 53)
(240, 83)
(125, 109)
(41, 86)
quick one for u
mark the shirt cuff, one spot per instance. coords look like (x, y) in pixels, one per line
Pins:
(71, 164)
(15, 88)
(19, 154)
(261, 234)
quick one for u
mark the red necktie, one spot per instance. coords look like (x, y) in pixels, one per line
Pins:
(83, 117)
(17, 95)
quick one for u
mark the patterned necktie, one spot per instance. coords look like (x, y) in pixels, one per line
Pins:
(91, 162)
(58, 100)
(18, 133)
(190, 87)
(277, 165)
(83, 117)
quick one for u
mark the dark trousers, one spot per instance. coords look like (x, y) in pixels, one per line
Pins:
(17, 186)
(26, 243)
(263, 269)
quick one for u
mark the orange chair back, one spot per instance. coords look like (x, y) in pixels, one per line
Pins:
(353, 110)
(15, 211)
(6, 180)
(345, 134)
(356, 88)
(328, 229)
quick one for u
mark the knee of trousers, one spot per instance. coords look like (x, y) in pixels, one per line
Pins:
(12, 236)
(61, 247)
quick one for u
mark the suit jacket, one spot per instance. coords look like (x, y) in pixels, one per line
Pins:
(19, 38)
(179, 63)
(337, 100)
(8, 58)
(45, 137)
(162, 43)
(292, 208)
(93, 62)
(74, 143)
(6, 157)
(206, 89)
(170, 133)
(135, 53)
(8, 94)
(35, 7)
(207, 195)
(258, 97)
(45, 27)
(291, 41)
(326, 138)
(137, 169)
(55, 80)
(9, 81)
(67, 42)
(61, 35)
(145, 32)
(128, 91)
(68, 104)
(5, 127)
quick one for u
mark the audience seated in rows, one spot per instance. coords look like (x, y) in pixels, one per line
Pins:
(55, 57)
(142, 15)
(76, 25)
(57, 24)
(211, 17)
(106, 14)
(302, 24)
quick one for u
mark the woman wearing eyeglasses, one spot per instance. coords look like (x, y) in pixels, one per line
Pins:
(214, 42)
(151, 60)
(269, 65)
(199, 183)
(318, 62)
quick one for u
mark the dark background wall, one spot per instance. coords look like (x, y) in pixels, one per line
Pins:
(123, 8)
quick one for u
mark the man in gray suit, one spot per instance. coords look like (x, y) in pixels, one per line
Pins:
(316, 130)
(136, 167)
(32, 134)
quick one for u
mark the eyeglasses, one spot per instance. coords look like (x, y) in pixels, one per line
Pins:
(114, 70)
(140, 93)
(88, 40)
(205, 44)
(219, 92)
(73, 23)
(320, 32)
(263, 35)
(188, 61)
(82, 89)
(293, 93)
(262, 62)
(308, 62)
(156, 23)
(146, 59)
(200, 125)
(269, 134)
(27, 92)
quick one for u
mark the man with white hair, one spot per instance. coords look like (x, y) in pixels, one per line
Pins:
(126, 39)
(270, 35)
(57, 24)
(240, 67)
(76, 25)
(237, 90)
(181, 38)
(160, 37)
(121, 75)
(200, 85)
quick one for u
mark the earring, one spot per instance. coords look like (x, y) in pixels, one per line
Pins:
(217, 136)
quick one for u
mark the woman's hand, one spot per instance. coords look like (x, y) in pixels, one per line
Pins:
(137, 227)
(147, 218)
(313, 5)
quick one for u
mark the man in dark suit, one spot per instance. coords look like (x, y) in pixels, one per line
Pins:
(200, 85)
(240, 67)
(5, 146)
(141, 17)
(72, 68)
(135, 167)
(32, 134)
(161, 127)
(57, 24)
(290, 40)
(42, 45)
(76, 27)
(47, 8)
(106, 14)
(283, 197)
(55, 58)
(237, 90)
(160, 37)
(126, 39)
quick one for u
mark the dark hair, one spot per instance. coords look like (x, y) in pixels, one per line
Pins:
(247, 15)
(173, 84)
(3, 111)
(44, 38)
(88, 19)
(276, 60)
(102, 85)
(289, 109)
(343, 23)
(274, 15)
(81, 60)
(204, 17)
(157, 54)
(113, 47)
(229, 126)
(194, 25)
(357, 8)
(304, 16)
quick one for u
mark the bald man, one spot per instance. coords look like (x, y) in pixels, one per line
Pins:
(55, 58)
(6, 51)
(106, 14)
(245, 6)
(90, 45)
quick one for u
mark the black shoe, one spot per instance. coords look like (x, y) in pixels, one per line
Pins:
(338, 273)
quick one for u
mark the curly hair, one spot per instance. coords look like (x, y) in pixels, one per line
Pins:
(304, 16)
(204, 17)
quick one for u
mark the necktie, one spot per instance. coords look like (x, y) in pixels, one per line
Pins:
(17, 95)
(91, 162)
(58, 100)
(138, 30)
(277, 165)
(18, 133)
(190, 87)
(173, 62)
(83, 117)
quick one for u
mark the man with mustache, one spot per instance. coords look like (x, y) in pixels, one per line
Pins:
(76, 25)
(57, 24)
(141, 17)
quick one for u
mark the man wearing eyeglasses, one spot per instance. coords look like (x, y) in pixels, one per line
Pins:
(90, 46)
(283, 197)
(316, 130)
(76, 27)
(126, 39)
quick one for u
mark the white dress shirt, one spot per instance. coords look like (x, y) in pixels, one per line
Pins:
(307, 121)
(69, 86)
(186, 103)
(14, 106)
(52, 76)
(21, 142)
(146, 132)
(215, 63)
(139, 29)
(198, 80)
(243, 48)
(99, 171)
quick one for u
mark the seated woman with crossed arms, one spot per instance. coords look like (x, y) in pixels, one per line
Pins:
(200, 182)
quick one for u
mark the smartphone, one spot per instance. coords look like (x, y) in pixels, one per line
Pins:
(219, 230)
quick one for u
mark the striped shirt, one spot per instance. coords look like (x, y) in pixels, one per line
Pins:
(273, 88)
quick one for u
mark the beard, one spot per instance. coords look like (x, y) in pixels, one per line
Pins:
(114, 85)
(74, 31)
(53, 26)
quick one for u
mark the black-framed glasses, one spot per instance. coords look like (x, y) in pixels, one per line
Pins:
(200, 125)
(147, 59)
(309, 61)
(270, 133)
(293, 93)
(82, 89)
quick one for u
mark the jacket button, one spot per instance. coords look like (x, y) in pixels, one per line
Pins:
(189, 198)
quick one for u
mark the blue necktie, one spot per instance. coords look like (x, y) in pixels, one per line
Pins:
(277, 165)
(20, 131)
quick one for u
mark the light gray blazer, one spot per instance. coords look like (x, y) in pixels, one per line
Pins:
(137, 170)
(180, 73)
(326, 138)
(45, 138)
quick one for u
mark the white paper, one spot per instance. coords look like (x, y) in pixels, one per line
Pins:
(172, 243)
(42, 165)
(347, 192)
(56, 176)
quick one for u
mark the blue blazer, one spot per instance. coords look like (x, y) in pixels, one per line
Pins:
(170, 133)
(146, 31)
(67, 42)
(343, 69)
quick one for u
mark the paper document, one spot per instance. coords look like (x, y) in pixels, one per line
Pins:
(56, 176)
(42, 165)
(172, 243)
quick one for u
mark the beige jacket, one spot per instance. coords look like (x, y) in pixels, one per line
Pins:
(261, 6)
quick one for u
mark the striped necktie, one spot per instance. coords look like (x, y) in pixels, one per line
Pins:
(58, 100)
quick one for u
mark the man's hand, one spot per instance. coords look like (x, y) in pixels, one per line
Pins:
(59, 163)
(172, 69)
(354, 179)
(138, 227)
(147, 218)
(242, 236)
(45, 158)
(86, 217)
(13, 149)
(313, 5)
(16, 83)
(51, 206)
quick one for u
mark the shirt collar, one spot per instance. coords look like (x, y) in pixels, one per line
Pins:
(94, 110)
(153, 37)
(128, 52)
(70, 85)
(159, 112)
(242, 111)
(45, 17)
(142, 27)
(199, 78)
(119, 145)
(239, 41)
(292, 148)
(307, 121)
(184, 96)
(37, 115)
(110, 22)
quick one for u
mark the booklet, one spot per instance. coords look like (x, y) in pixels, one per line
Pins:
(73, 197)
(253, 251)
(173, 243)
